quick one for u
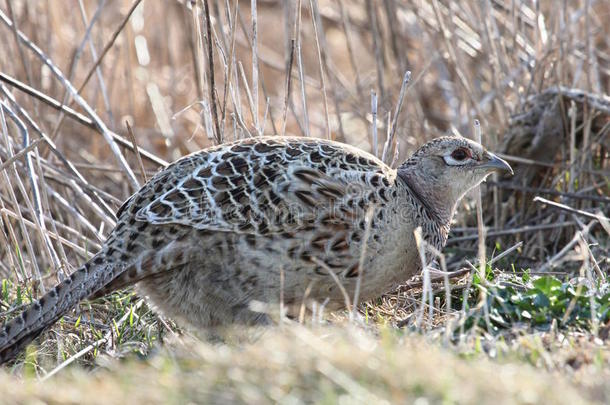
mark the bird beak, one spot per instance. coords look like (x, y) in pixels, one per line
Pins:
(492, 162)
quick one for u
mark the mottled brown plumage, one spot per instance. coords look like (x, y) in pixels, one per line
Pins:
(216, 229)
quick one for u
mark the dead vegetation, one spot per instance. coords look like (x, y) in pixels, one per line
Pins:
(300, 365)
(84, 84)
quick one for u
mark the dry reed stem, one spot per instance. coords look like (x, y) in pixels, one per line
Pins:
(210, 65)
(317, 34)
(132, 138)
(374, 140)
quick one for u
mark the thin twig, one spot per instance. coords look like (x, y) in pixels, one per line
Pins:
(374, 140)
(550, 264)
(229, 65)
(368, 218)
(313, 4)
(403, 90)
(371, 13)
(336, 280)
(537, 190)
(300, 67)
(255, 83)
(212, 85)
(287, 85)
(512, 231)
(132, 138)
(570, 209)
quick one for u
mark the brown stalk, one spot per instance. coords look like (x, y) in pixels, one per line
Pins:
(212, 85)
(313, 5)
(287, 85)
(132, 138)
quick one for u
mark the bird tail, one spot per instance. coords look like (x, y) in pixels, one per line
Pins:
(39, 315)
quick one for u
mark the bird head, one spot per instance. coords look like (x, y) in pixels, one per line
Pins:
(443, 170)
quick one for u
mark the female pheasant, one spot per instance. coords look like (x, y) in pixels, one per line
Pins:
(221, 227)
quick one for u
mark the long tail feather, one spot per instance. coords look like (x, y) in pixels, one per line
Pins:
(18, 332)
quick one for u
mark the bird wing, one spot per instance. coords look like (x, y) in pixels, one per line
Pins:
(263, 186)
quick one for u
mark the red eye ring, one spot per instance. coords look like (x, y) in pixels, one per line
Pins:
(461, 154)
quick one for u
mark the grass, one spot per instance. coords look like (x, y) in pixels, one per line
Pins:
(326, 364)
(147, 83)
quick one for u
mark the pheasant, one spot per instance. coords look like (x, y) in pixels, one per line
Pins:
(268, 216)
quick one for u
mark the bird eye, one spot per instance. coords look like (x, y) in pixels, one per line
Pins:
(460, 154)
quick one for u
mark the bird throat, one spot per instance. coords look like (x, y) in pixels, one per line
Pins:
(441, 216)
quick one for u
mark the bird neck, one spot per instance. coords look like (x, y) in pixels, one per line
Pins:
(439, 202)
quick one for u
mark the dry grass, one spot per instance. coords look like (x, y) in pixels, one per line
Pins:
(535, 74)
(300, 365)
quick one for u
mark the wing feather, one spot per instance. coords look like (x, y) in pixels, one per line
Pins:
(265, 186)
